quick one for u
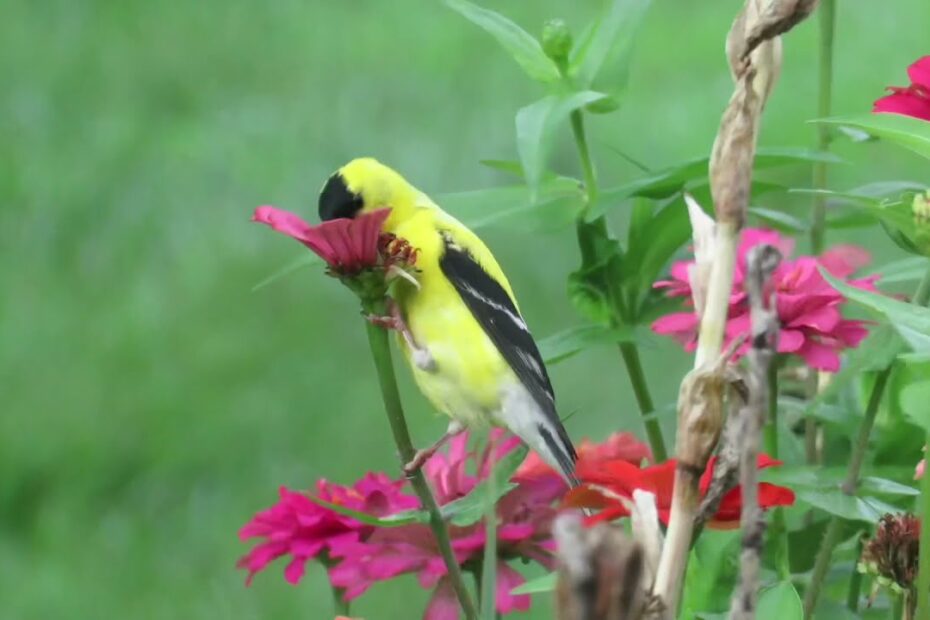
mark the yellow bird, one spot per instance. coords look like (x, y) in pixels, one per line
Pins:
(460, 328)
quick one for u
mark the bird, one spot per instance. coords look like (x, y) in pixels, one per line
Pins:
(459, 326)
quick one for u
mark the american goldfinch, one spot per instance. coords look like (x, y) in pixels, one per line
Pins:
(459, 326)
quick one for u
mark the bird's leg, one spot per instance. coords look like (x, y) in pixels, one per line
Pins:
(420, 458)
(395, 320)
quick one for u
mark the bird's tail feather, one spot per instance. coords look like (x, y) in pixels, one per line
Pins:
(559, 451)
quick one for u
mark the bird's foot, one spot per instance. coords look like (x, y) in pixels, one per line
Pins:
(423, 359)
(387, 322)
(419, 459)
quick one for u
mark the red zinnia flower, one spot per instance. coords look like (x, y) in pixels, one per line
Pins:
(347, 245)
(913, 100)
(603, 483)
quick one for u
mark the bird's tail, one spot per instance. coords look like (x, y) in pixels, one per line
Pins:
(557, 450)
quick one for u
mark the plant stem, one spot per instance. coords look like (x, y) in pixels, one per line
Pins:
(587, 165)
(381, 353)
(822, 563)
(855, 585)
(634, 369)
(831, 537)
(340, 605)
(628, 350)
(779, 530)
(923, 561)
(897, 607)
(827, 15)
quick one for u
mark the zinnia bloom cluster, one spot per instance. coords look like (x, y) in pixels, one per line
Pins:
(359, 555)
(913, 100)
(606, 484)
(812, 325)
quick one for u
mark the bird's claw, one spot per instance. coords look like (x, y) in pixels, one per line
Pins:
(423, 359)
(419, 459)
(387, 322)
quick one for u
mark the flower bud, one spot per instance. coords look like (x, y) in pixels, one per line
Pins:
(557, 41)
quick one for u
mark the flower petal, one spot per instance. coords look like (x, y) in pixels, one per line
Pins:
(442, 605)
(919, 72)
(504, 600)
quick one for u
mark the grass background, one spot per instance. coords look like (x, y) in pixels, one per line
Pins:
(151, 403)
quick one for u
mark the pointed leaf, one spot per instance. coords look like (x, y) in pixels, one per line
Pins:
(536, 124)
(304, 260)
(914, 399)
(607, 45)
(558, 203)
(546, 583)
(569, 342)
(779, 219)
(406, 517)
(899, 314)
(910, 133)
(471, 508)
(780, 602)
(521, 46)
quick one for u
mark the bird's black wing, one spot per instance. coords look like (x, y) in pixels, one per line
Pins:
(497, 314)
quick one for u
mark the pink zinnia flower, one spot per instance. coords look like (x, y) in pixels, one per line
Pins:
(525, 515)
(302, 529)
(348, 246)
(913, 100)
(812, 326)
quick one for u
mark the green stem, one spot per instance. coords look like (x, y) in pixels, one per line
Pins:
(340, 604)
(638, 380)
(897, 606)
(381, 352)
(855, 584)
(831, 538)
(778, 530)
(587, 165)
(923, 561)
(587, 232)
(827, 15)
(488, 593)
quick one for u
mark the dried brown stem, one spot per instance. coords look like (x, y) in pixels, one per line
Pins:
(601, 572)
(754, 53)
(762, 262)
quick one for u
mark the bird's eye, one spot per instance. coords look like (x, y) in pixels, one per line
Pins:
(337, 201)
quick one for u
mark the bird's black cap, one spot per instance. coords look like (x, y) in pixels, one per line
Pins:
(337, 201)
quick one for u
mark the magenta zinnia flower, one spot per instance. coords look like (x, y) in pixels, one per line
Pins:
(348, 246)
(299, 527)
(913, 100)
(812, 326)
(525, 515)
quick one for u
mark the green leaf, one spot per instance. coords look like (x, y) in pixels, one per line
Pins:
(900, 314)
(569, 342)
(546, 583)
(304, 260)
(606, 47)
(471, 508)
(911, 133)
(850, 507)
(667, 182)
(654, 244)
(402, 518)
(914, 399)
(557, 204)
(883, 486)
(523, 47)
(710, 573)
(780, 602)
(779, 219)
(904, 270)
(536, 124)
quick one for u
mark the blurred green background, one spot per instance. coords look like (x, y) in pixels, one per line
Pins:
(151, 402)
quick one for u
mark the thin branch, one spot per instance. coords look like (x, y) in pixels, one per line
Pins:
(763, 260)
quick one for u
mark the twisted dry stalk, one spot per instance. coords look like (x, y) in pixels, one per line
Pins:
(754, 53)
(762, 262)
